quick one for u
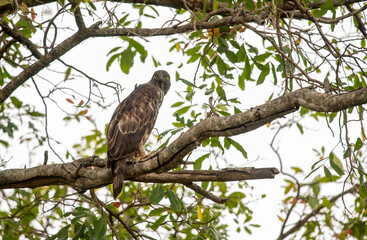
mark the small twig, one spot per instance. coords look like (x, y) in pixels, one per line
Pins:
(78, 17)
(46, 120)
(361, 26)
(45, 159)
(100, 205)
(205, 193)
(112, 213)
(212, 108)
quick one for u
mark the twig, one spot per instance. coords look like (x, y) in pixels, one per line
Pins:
(205, 193)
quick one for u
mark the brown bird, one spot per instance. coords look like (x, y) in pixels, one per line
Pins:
(131, 124)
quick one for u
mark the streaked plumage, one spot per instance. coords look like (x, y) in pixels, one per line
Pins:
(131, 124)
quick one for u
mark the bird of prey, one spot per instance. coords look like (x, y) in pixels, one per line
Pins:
(131, 124)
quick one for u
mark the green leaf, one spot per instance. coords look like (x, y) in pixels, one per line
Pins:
(4, 2)
(274, 74)
(199, 161)
(36, 114)
(174, 200)
(252, 49)
(250, 5)
(346, 153)
(263, 74)
(241, 82)
(314, 202)
(67, 73)
(215, 5)
(222, 67)
(332, 116)
(316, 189)
(99, 231)
(158, 223)
(336, 164)
(303, 111)
(328, 173)
(62, 234)
(261, 58)
(222, 48)
(6, 144)
(113, 50)
(157, 194)
(111, 60)
(187, 82)
(238, 147)
(79, 230)
(16, 102)
(231, 56)
(127, 60)
(363, 189)
(300, 127)
(248, 69)
(182, 110)
(156, 62)
(235, 44)
(140, 48)
(358, 145)
(177, 104)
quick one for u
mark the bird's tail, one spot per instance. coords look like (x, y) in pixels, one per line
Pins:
(118, 179)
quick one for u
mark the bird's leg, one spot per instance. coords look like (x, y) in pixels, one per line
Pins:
(140, 154)
(144, 156)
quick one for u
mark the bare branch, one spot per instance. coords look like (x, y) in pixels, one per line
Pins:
(206, 194)
(314, 213)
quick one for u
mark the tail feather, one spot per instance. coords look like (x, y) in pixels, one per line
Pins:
(119, 175)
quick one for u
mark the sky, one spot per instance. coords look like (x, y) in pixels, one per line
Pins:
(294, 147)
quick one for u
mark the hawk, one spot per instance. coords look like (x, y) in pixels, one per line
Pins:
(131, 124)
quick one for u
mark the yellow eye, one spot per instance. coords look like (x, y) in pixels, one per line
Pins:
(155, 76)
(166, 77)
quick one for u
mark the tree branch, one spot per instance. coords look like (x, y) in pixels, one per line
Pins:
(205, 193)
(170, 157)
(314, 212)
(87, 178)
(20, 38)
(45, 60)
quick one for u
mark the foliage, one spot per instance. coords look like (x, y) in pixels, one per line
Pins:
(235, 48)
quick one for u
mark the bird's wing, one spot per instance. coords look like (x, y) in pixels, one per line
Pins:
(133, 121)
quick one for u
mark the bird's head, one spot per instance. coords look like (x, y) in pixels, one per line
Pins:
(162, 80)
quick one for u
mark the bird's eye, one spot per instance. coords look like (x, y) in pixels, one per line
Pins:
(166, 77)
(155, 76)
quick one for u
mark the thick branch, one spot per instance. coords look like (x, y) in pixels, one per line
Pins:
(20, 38)
(169, 158)
(188, 176)
(83, 178)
